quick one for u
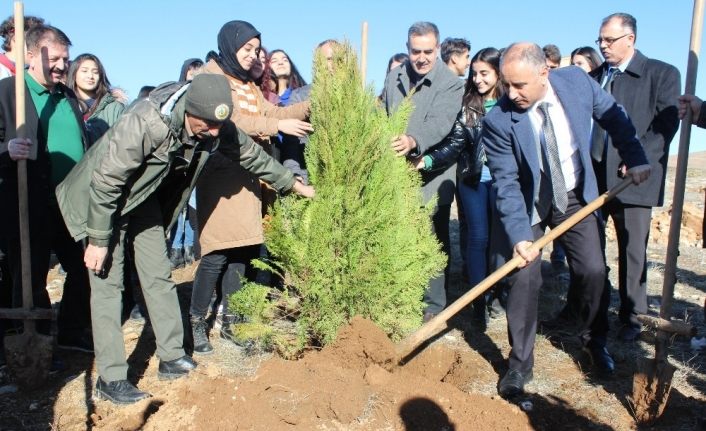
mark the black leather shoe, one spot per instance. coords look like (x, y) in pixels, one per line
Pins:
(119, 392)
(629, 333)
(170, 370)
(513, 383)
(600, 359)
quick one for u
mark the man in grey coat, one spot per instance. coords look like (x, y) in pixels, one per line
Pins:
(436, 95)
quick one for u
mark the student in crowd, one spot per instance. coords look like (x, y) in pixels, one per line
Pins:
(87, 78)
(285, 75)
(586, 58)
(228, 197)
(553, 56)
(7, 32)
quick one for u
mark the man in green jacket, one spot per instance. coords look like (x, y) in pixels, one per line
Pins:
(131, 185)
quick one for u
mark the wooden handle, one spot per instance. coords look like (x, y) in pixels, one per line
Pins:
(410, 344)
(22, 190)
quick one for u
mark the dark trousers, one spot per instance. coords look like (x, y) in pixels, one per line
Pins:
(224, 266)
(632, 227)
(586, 260)
(39, 261)
(75, 308)
(435, 295)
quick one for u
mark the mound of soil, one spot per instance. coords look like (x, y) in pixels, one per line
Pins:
(350, 385)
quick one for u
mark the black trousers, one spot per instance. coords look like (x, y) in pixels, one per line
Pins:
(224, 266)
(632, 228)
(435, 295)
(587, 262)
(75, 308)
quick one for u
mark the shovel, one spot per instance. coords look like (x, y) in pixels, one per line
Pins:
(410, 345)
(653, 381)
(28, 354)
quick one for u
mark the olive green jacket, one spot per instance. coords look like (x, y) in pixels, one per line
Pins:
(148, 152)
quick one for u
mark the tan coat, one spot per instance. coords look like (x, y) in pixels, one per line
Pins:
(228, 198)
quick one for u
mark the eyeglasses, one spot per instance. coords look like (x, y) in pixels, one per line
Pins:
(610, 40)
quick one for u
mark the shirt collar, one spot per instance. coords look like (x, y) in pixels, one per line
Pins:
(624, 65)
(550, 98)
(34, 85)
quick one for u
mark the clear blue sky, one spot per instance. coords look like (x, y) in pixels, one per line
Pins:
(145, 42)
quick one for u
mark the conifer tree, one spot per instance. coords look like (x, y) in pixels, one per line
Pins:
(364, 244)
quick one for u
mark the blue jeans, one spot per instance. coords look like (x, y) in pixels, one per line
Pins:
(182, 234)
(476, 206)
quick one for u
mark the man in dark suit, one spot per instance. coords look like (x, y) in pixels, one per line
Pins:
(436, 95)
(56, 131)
(648, 90)
(537, 142)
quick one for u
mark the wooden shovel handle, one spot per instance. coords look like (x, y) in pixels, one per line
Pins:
(22, 189)
(409, 344)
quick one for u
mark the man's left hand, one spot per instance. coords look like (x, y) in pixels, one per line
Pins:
(94, 258)
(303, 190)
(403, 144)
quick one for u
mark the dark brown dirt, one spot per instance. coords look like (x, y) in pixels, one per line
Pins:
(336, 388)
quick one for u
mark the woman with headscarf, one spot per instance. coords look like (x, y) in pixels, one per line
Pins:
(228, 197)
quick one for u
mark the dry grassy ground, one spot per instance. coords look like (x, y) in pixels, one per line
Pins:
(564, 394)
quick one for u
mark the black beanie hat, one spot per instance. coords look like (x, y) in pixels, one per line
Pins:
(209, 97)
(232, 36)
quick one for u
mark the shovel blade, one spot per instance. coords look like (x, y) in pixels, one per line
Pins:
(28, 358)
(650, 390)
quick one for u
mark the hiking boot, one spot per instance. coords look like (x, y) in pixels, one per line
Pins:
(174, 369)
(189, 255)
(119, 392)
(176, 258)
(199, 329)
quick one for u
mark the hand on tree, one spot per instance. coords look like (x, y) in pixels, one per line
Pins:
(522, 249)
(94, 258)
(303, 190)
(403, 144)
(294, 127)
(417, 162)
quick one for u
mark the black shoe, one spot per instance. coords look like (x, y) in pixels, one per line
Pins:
(629, 333)
(136, 314)
(176, 258)
(227, 322)
(170, 370)
(189, 255)
(119, 392)
(199, 329)
(57, 365)
(600, 359)
(495, 309)
(513, 383)
(81, 342)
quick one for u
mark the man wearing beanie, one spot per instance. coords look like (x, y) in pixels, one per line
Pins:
(131, 185)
